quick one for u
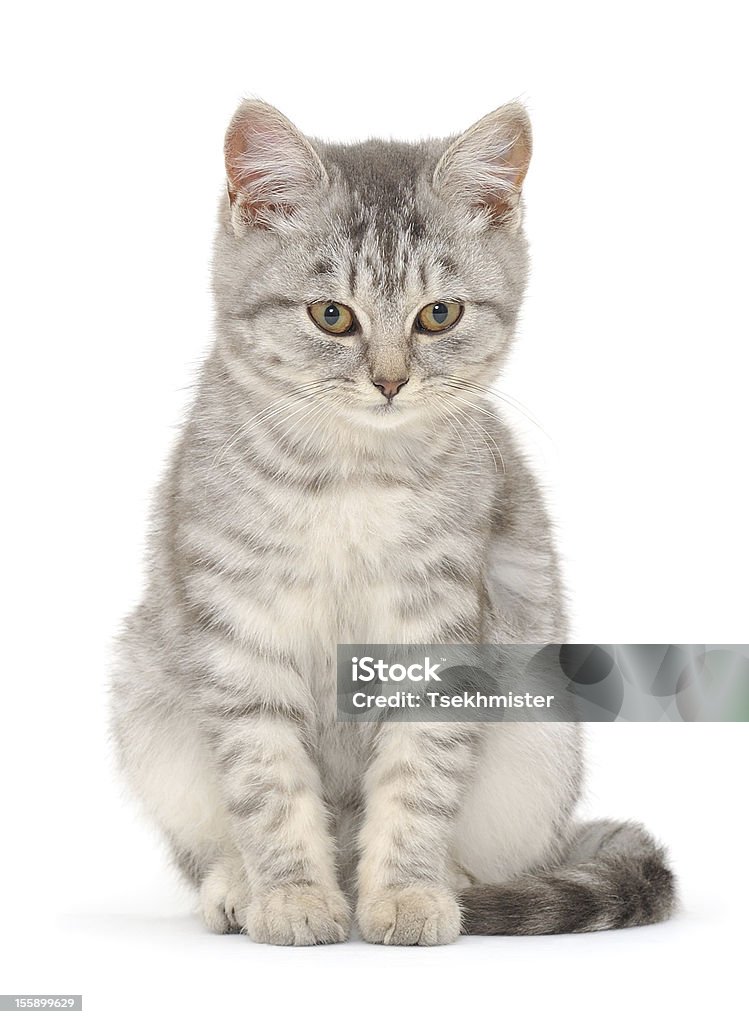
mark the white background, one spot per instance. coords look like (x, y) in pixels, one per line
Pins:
(632, 357)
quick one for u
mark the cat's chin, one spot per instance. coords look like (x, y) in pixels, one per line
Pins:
(382, 417)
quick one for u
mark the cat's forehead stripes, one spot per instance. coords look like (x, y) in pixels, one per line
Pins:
(384, 237)
(382, 222)
(384, 261)
(393, 268)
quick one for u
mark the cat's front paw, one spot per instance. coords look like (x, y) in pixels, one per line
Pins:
(409, 916)
(298, 915)
(224, 896)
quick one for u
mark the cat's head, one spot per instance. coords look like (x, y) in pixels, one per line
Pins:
(386, 271)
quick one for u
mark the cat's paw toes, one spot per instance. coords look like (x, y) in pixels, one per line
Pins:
(299, 915)
(223, 898)
(409, 916)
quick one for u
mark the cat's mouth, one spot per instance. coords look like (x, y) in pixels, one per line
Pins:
(384, 415)
(392, 408)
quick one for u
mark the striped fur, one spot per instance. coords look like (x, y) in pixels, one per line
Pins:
(302, 509)
(613, 876)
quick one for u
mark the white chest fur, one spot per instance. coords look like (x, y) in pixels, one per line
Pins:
(350, 543)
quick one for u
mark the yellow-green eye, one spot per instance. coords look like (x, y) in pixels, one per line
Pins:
(332, 317)
(438, 316)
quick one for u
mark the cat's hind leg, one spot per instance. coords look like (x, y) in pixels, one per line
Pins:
(168, 767)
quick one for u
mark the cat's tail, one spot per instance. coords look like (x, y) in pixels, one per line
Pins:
(614, 876)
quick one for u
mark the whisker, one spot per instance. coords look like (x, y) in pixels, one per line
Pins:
(295, 409)
(493, 445)
(460, 426)
(296, 396)
(312, 416)
(454, 419)
(495, 392)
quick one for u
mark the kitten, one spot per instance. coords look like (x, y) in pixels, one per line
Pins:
(343, 478)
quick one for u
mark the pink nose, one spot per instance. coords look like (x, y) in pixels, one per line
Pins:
(390, 388)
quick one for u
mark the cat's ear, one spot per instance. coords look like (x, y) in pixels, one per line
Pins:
(484, 168)
(271, 168)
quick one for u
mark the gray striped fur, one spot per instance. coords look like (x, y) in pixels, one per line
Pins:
(612, 876)
(301, 509)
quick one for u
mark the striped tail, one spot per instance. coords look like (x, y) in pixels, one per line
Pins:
(614, 876)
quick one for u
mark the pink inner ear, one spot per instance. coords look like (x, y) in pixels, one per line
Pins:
(509, 170)
(493, 168)
(255, 182)
(513, 164)
(486, 166)
(270, 167)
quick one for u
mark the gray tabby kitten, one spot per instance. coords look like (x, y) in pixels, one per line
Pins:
(343, 478)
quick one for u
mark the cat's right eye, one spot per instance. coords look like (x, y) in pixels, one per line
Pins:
(438, 316)
(332, 317)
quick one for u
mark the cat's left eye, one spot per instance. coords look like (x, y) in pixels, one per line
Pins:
(438, 316)
(332, 317)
